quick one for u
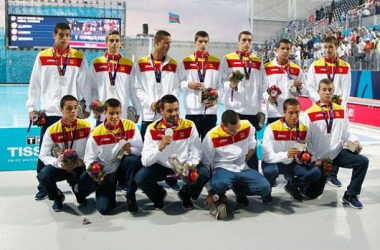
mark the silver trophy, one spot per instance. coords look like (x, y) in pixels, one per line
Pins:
(81, 109)
(131, 113)
(176, 165)
(120, 155)
(301, 146)
(350, 146)
(56, 150)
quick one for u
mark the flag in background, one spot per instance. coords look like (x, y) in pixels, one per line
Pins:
(173, 18)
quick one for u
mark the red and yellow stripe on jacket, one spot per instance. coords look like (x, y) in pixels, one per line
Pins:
(186, 144)
(221, 150)
(145, 65)
(148, 90)
(278, 139)
(342, 78)
(275, 75)
(188, 72)
(47, 58)
(212, 62)
(320, 143)
(181, 132)
(103, 145)
(234, 61)
(220, 138)
(320, 67)
(101, 65)
(79, 129)
(103, 136)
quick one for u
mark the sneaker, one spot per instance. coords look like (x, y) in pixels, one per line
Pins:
(266, 200)
(218, 212)
(293, 191)
(81, 201)
(186, 200)
(241, 199)
(160, 204)
(132, 206)
(41, 195)
(333, 180)
(352, 200)
(58, 202)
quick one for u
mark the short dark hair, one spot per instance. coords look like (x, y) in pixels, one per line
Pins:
(65, 99)
(112, 32)
(61, 26)
(290, 102)
(113, 103)
(201, 34)
(244, 33)
(230, 117)
(160, 35)
(325, 81)
(331, 39)
(168, 99)
(284, 40)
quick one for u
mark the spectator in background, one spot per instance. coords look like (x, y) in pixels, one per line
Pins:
(322, 13)
(377, 44)
(366, 12)
(361, 45)
(343, 17)
(310, 46)
(317, 15)
(341, 50)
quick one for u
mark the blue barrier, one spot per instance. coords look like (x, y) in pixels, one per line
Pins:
(18, 149)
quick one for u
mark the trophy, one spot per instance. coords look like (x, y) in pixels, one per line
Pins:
(293, 89)
(131, 113)
(301, 146)
(56, 150)
(176, 165)
(350, 146)
(81, 109)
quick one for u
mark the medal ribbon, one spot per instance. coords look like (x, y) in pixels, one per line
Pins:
(334, 71)
(157, 70)
(109, 58)
(65, 140)
(61, 71)
(329, 120)
(202, 74)
(247, 54)
(117, 137)
(286, 69)
(298, 133)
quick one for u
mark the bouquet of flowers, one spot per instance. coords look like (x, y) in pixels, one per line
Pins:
(188, 174)
(68, 157)
(303, 158)
(96, 171)
(38, 119)
(157, 107)
(337, 99)
(326, 166)
(236, 76)
(274, 91)
(97, 106)
(209, 94)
